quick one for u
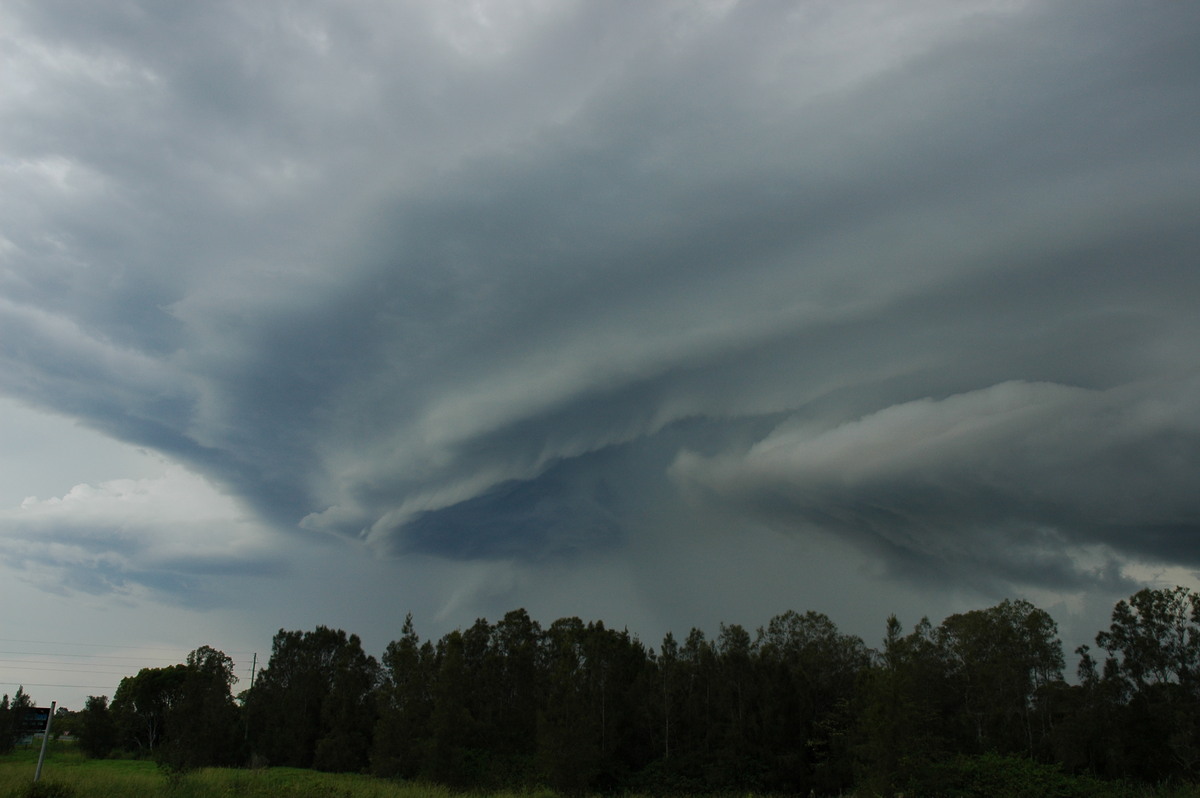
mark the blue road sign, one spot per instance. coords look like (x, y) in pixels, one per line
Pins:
(34, 720)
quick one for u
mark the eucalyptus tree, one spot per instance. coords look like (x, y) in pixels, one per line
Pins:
(736, 752)
(810, 673)
(516, 648)
(1154, 639)
(312, 705)
(452, 725)
(998, 660)
(668, 699)
(404, 702)
(1152, 670)
(96, 728)
(142, 706)
(697, 727)
(202, 719)
(12, 713)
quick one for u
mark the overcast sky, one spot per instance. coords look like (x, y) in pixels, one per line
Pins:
(662, 313)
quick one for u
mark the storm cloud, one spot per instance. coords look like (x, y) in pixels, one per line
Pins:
(534, 282)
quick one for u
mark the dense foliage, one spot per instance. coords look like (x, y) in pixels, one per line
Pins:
(794, 707)
(12, 714)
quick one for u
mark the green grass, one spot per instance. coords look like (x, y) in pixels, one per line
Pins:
(68, 774)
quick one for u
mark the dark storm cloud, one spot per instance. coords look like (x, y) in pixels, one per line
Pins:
(504, 281)
(1032, 483)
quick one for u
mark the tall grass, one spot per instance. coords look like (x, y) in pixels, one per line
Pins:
(67, 774)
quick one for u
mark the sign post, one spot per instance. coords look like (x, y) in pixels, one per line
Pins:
(34, 720)
(33, 717)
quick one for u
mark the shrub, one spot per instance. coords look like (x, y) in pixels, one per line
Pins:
(995, 776)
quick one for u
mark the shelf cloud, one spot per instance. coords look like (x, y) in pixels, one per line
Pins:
(545, 284)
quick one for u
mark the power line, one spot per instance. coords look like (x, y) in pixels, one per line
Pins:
(78, 686)
(87, 656)
(106, 645)
(40, 665)
(120, 662)
(73, 643)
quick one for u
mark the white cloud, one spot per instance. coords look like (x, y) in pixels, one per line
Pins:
(914, 437)
(135, 536)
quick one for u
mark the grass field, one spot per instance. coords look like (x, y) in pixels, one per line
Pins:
(67, 774)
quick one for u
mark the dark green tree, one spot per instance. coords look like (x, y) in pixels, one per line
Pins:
(312, 706)
(96, 728)
(1153, 664)
(516, 653)
(453, 728)
(811, 672)
(902, 709)
(348, 713)
(1086, 734)
(736, 743)
(619, 685)
(669, 699)
(404, 702)
(482, 667)
(697, 729)
(998, 660)
(1154, 639)
(202, 721)
(142, 705)
(12, 716)
(569, 754)
(6, 727)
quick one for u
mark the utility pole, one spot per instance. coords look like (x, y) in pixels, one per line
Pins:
(253, 667)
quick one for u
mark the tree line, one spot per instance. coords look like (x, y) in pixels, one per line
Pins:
(794, 707)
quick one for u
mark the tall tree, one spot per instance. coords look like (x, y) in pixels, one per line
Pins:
(669, 699)
(999, 658)
(97, 729)
(737, 724)
(1153, 646)
(142, 705)
(405, 705)
(1155, 639)
(312, 705)
(1086, 737)
(697, 728)
(348, 712)
(902, 709)
(7, 738)
(12, 716)
(203, 720)
(516, 649)
(617, 681)
(569, 753)
(813, 671)
(452, 726)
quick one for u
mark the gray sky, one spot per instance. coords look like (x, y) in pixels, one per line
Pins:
(665, 313)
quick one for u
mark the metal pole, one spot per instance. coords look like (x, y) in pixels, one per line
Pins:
(37, 774)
